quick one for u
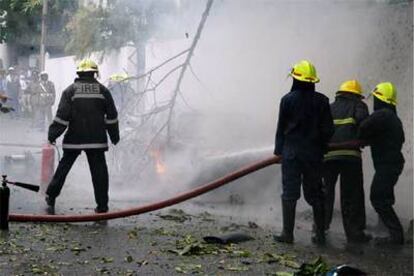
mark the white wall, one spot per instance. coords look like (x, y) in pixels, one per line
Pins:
(4, 55)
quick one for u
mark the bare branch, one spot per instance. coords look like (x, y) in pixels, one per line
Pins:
(187, 61)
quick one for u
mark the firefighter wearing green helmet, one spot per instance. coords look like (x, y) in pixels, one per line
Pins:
(348, 111)
(383, 131)
(304, 128)
(87, 113)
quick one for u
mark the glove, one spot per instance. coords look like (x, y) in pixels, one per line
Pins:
(115, 141)
(51, 140)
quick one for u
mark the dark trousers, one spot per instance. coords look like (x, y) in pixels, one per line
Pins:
(382, 197)
(351, 194)
(297, 173)
(97, 167)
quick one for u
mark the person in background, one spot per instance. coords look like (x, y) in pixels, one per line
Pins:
(3, 84)
(348, 111)
(384, 132)
(13, 91)
(48, 96)
(25, 91)
(35, 91)
(304, 129)
(88, 112)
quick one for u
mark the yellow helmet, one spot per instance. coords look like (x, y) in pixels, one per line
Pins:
(118, 77)
(351, 86)
(386, 92)
(87, 65)
(304, 71)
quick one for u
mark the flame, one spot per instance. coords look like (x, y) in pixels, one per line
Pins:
(159, 165)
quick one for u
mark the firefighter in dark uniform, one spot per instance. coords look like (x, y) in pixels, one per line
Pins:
(348, 111)
(88, 112)
(383, 131)
(304, 129)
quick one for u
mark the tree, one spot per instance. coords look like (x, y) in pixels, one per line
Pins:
(119, 23)
(20, 22)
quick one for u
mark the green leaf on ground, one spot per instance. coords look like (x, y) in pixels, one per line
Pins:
(316, 267)
(106, 260)
(283, 259)
(189, 268)
(132, 234)
(236, 268)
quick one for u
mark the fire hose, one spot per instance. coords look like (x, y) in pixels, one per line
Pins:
(152, 206)
(170, 201)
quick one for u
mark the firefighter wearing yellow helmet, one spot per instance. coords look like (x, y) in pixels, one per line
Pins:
(348, 111)
(87, 113)
(386, 92)
(304, 128)
(384, 132)
(86, 65)
(119, 86)
(304, 71)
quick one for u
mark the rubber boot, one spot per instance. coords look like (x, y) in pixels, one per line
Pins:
(391, 221)
(289, 211)
(319, 220)
(50, 201)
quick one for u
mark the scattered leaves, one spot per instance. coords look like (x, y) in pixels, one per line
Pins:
(283, 259)
(316, 267)
(189, 268)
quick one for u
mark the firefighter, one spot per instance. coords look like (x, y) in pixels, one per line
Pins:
(348, 111)
(118, 83)
(383, 131)
(48, 97)
(304, 128)
(88, 112)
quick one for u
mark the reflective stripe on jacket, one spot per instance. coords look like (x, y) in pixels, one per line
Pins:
(348, 111)
(88, 112)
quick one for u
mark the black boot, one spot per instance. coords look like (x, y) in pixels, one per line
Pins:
(289, 211)
(391, 221)
(319, 220)
(50, 201)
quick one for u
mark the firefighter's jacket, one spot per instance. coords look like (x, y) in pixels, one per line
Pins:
(348, 111)
(48, 93)
(88, 112)
(383, 130)
(305, 126)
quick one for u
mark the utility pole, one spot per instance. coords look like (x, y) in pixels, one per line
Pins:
(43, 36)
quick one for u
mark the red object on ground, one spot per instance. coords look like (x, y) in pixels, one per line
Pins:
(152, 206)
(47, 166)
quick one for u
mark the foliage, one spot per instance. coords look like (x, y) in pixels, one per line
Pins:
(21, 19)
(314, 268)
(121, 23)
